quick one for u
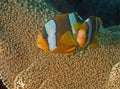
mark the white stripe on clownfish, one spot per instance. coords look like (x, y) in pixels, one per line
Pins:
(89, 31)
(50, 27)
(80, 18)
(72, 20)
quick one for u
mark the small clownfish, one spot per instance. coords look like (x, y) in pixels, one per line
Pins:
(59, 34)
(86, 35)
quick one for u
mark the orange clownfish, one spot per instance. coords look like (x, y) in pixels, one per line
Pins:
(59, 34)
(88, 31)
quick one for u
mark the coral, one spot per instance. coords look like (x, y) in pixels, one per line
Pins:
(114, 79)
(24, 66)
(19, 27)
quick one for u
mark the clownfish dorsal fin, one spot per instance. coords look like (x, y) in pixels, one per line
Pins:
(75, 13)
(99, 20)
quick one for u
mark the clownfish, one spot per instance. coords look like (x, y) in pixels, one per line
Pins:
(59, 34)
(86, 35)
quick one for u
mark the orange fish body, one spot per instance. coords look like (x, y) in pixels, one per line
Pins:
(58, 35)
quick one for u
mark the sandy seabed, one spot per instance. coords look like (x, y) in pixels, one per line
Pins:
(24, 66)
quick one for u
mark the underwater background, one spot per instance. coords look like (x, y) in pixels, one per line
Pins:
(108, 10)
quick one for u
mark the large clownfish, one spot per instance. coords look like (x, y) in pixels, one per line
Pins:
(64, 32)
(87, 32)
(59, 34)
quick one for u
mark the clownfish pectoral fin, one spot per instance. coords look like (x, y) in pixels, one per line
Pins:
(67, 41)
(69, 53)
(94, 44)
(77, 26)
(41, 43)
(70, 49)
(100, 21)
